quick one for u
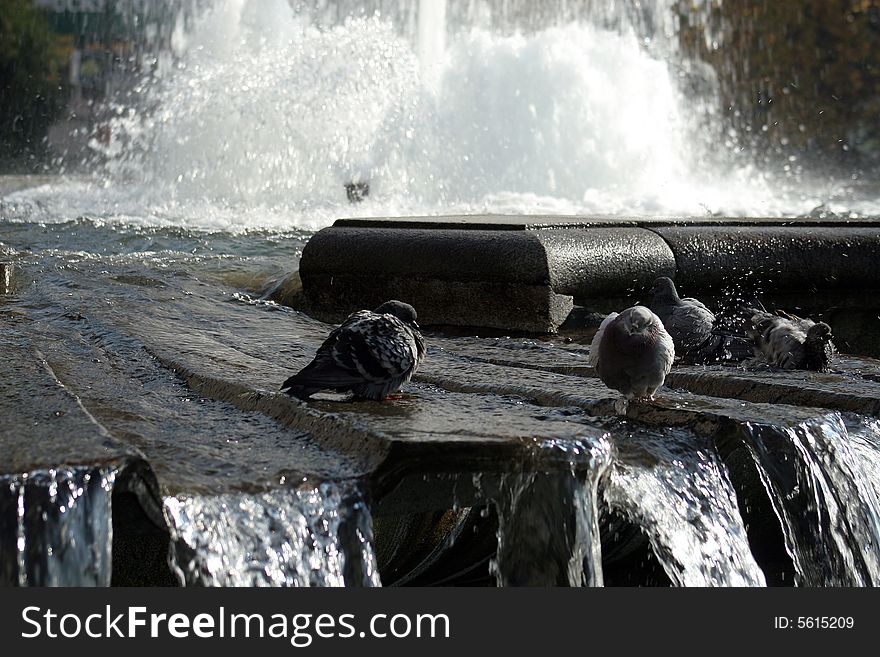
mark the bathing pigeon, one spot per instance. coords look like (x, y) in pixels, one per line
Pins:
(692, 327)
(788, 341)
(632, 352)
(372, 354)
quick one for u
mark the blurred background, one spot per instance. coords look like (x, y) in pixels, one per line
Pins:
(792, 75)
(653, 107)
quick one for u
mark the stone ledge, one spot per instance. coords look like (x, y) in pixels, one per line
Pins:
(537, 222)
(514, 272)
(475, 278)
(778, 257)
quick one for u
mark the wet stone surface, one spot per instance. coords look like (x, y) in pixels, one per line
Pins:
(113, 362)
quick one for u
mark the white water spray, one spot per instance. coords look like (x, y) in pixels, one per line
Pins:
(261, 114)
(431, 40)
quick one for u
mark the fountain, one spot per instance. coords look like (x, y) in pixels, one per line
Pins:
(547, 153)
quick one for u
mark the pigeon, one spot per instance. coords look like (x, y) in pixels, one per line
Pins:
(372, 354)
(692, 327)
(632, 352)
(788, 341)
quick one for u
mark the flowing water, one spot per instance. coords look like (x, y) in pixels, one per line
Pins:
(304, 537)
(823, 490)
(548, 523)
(234, 143)
(55, 527)
(678, 491)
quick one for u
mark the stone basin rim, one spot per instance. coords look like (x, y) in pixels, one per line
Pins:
(546, 221)
(526, 272)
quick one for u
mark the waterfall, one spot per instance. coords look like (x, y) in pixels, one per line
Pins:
(823, 491)
(678, 491)
(864, 441)
(56, 527)
(548, 522)
(319, 536)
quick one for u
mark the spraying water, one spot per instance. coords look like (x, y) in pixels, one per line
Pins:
(431, 39)
(258, 114)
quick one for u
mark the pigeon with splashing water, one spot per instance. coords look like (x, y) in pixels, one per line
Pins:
(692, 327)
(632, 352)
(372, 354)
(788, 341)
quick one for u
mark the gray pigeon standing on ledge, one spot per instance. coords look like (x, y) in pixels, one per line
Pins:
(788, 341)
(372, 354)
(692, 327)
(632, 352)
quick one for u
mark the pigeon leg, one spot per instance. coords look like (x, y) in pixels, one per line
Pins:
(621, 404)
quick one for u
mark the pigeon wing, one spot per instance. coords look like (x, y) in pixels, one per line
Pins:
(689, 323)
(690, 301)
(722, 346)
(779, 340)
(597, 339)
(392, 349)
(665, 352)
(366, 348)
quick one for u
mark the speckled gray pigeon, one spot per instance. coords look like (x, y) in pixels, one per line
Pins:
(692, 327)
(788, 341)
(632, 352)
(372, 354)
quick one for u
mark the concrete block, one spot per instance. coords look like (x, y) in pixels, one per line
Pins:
(485, 278)
(516, 272)
(775, 257)
(600, 262)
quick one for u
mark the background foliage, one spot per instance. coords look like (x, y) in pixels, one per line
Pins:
(30, 85)
(795, 74)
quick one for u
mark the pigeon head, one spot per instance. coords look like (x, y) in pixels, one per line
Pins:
(664, 290)
(638, 320)
(402, 311)
(819, 332)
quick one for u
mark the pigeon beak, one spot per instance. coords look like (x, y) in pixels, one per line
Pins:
(416, 325)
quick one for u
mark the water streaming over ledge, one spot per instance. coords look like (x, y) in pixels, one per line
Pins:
(56, 527)
(824, 492)
(678, 491)
(524, 114)
(864, 441)
(319, 536)
(548, 522)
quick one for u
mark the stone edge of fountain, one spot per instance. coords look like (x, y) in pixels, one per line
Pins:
(525, 273)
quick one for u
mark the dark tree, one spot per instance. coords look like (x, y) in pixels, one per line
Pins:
(30, 93)
(798, 75)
